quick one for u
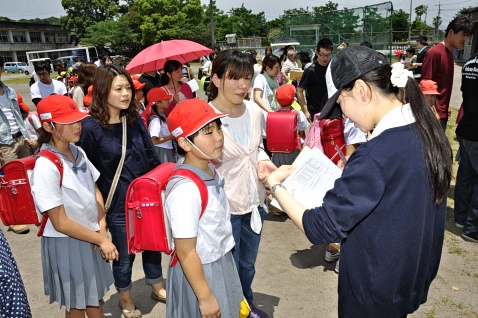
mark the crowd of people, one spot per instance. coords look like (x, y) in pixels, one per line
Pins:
(109, 127)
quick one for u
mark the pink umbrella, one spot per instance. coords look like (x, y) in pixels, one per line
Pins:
(153, 57)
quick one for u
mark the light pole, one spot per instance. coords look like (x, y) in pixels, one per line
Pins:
(211, 19)
(410, 26)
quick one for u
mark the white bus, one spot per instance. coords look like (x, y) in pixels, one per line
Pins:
(87, 53)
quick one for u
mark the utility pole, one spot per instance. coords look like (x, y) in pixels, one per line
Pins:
(211, 19)
(410, 26)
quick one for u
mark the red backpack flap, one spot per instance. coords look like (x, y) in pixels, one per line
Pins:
(282, 131)
(190, 175)
(16, 200)
(332, 135)
(146, 223)
(50, 155)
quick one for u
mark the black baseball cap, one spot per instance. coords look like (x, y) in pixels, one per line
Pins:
(349, 64)
(422, 39)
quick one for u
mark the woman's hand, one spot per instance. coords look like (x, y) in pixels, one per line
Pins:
(109, 250)
(264, 168)
(278, 176)
(209, 307)
(176, 98)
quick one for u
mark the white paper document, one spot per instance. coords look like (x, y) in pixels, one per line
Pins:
(313, 176)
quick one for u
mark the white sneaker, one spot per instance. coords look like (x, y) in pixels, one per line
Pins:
(337, 266)
(331, 257)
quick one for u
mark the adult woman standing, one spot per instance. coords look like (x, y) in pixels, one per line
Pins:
(265, 84)
(101, 138)
(172, 84)
(86, 77)
(243, 162)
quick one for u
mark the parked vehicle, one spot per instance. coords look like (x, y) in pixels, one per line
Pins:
(14, 67)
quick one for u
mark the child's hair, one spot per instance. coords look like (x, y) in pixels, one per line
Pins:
(437, 150)
(233, 64)
(269, 61)
(154, 111)
(205, 129)
(45, 137)
(42, 65)
(99, 107)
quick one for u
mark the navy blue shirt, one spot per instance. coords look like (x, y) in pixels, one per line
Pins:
(103, 148)
(382, 210)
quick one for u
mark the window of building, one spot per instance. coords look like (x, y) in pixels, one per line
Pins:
(62, 37)
(21, 56)
(19, 37)
(35, 37)
(4, 36)
(7, 56)
(50, 37)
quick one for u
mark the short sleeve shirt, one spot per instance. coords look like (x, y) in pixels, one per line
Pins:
(159, 128)
(40, 90)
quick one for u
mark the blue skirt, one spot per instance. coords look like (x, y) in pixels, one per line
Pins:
(223, 280)
(74, 274)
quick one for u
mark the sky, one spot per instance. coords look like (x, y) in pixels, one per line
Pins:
(30, 9)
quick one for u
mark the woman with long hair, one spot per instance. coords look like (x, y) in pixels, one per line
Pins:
(244, 163)
(265, 84)
(172, 84)
(86, 77)
(101, 138)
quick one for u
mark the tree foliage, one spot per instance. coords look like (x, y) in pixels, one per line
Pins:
(161, 20)
(400, 23)
(83, 13)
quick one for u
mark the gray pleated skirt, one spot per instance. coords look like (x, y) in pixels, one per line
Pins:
(280, 158)
(74, 274)
(223, 280)
(165, 155)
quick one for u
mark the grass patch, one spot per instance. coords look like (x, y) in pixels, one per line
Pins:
(431, 314)
(17, 80)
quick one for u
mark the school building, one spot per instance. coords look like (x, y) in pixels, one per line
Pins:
(17, 38)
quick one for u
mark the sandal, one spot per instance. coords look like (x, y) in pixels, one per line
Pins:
(158, 297)
(130, 314)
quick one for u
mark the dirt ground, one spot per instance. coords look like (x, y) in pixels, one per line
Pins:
(292, 278)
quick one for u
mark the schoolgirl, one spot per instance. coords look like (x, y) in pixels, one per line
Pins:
(74, 241)
(158, 127)
(389, 206)
(205, 282)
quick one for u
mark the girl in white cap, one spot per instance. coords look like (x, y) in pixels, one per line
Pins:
(74, 242)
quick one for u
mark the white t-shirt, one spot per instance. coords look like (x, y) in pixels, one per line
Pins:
(266, 92)
(213, 231)
(352, 134)
(77, 194)
(159, 128)
(40, 90)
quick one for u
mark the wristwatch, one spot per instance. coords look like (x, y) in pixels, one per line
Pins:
(274, 188)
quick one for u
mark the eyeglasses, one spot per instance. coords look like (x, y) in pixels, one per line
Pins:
(325, 55)
(42, 73)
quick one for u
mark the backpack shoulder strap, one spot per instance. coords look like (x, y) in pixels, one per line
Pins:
(50, 155)
(198, 181)
(194, 177)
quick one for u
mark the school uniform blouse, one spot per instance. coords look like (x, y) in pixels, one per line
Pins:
(103, 148)
(77, 193)
(382, 210)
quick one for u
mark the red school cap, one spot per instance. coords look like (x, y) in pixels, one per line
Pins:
(59, 109)
(22, 104)
(157, 94)
(285, 95)
(189, 116)
(428, 87)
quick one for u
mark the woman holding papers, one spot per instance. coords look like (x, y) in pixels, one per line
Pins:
(388, 208)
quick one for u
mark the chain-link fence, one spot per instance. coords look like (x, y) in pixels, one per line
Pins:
(366, 24)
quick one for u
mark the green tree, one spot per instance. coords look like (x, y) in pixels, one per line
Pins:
(170, 19)
(400, 23)
(244, 23)
(419, 11)
(83, 13)
(437, 21)
(116, 34)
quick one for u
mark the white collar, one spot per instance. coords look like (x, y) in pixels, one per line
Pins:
(397, 117)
